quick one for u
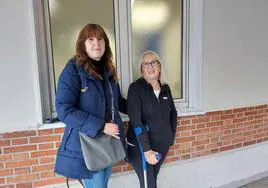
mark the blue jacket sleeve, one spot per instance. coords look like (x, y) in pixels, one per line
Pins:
(67, 99)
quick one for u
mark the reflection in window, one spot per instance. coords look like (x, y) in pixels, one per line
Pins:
(157, 26)
(66, 20)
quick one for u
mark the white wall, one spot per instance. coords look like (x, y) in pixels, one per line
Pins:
(235, 59)
(235, 53)
(18, 96)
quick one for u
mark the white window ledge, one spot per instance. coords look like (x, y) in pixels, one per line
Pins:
(189, 112)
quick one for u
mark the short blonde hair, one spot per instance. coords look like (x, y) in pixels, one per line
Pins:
(149, 56)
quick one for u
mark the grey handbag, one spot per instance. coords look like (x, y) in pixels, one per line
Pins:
(104, 150)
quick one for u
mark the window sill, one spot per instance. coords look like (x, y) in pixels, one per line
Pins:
(181, 112)
(189, 112)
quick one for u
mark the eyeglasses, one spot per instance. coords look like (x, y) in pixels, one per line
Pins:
(152, 63)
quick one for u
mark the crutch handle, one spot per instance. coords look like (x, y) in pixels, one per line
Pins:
(158, 156)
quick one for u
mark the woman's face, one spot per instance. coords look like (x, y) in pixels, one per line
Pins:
(95, 47)
(151, 69)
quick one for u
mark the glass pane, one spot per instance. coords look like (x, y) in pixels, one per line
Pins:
(67, 17)
(157, 26)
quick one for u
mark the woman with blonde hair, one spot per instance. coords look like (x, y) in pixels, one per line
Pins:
(151, 111)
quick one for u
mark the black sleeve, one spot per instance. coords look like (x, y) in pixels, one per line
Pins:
(173, 114)
(134, 107)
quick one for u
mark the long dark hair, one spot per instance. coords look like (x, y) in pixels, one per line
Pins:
(81, 57)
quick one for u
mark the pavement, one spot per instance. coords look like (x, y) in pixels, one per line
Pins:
(262, 183)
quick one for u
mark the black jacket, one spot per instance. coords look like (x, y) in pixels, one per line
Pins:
(159, 114)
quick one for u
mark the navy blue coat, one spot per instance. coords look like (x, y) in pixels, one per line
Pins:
(80, 104)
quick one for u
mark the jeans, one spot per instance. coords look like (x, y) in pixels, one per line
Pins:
(99, 180)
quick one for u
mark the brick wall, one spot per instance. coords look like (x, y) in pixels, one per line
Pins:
(27, 158)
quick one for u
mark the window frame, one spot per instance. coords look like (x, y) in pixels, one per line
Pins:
(192, 55)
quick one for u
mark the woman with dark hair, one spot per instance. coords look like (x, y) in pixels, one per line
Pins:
(83, 103)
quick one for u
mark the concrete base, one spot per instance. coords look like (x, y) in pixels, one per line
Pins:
(224, 170)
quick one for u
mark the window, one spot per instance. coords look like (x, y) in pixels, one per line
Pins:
(172, 28)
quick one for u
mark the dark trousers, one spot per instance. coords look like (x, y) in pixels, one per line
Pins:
(152, 170)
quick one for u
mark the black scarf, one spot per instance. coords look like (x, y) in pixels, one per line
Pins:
(100, 67)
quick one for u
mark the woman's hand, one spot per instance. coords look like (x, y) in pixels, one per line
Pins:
(150, 157)
(111, 129)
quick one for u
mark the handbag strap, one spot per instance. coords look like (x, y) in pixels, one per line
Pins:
(67, 182)
(112, 100)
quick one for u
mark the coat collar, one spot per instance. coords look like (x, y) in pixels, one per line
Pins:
(82, 71)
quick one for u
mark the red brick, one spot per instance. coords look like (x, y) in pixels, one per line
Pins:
(23, 179)
(47, 160)
(239, 115)
(185, 122)
(5, 157)
(238, 140)
(184, 128)
(201, 137)
(186, 156)
(229, 116)
(20, 171)
(212, 151)
(251, 132)
(200, 131)
(58, 145)
(19, 141)
(238, 145)
(227, 148)
(227, 111)
(261, 135)
(42, 168)
(2, 180)
(214, 113)
(215, 118)
(45, 132)
(23, 163)
(186, 145)
(200, 148)
(249, 143)
(185, 133)
(7, 186)
(201, 120)
(20, 149)
(19, 134)
(59, 130)
(186, 139)
(251, 113)
(45, 175)
(202, 142)
(4, 143)
(238, 120)
(24, 185)
(213, 124)
(7, 172)
(45, 139)
(20, 156)
(200, 153)
(201, 126)
(46, 146)
(43, 153)
(238, 110)
(261, 106)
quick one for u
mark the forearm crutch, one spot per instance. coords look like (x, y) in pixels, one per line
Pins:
(138, 131)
